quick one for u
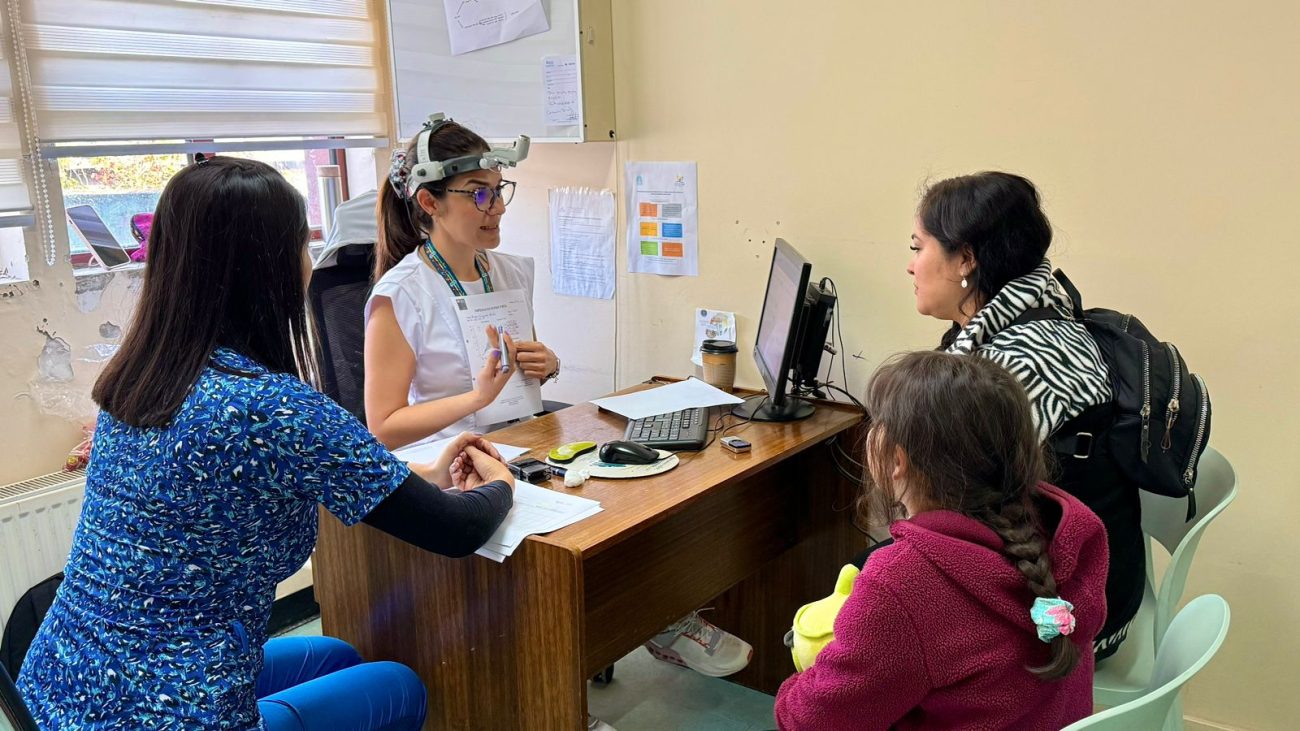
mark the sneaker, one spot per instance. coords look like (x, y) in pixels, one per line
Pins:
(694, 642)
(595, 724)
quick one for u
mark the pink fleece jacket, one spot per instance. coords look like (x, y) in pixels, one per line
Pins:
(937, 633)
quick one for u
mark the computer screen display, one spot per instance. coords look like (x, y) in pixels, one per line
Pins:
(93, 229)
(779, 324)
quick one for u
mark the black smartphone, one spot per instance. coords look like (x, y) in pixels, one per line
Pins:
(104, 246)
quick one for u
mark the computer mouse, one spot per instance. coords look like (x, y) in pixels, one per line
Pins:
(628, 453)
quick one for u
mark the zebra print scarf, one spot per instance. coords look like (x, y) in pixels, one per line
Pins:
(1057, 361)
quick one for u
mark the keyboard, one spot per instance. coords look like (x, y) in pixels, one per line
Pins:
(687, 429)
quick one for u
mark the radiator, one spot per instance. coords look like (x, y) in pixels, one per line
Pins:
(37, 518)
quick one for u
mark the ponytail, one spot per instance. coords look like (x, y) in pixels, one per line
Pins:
(403, 223)
(1022, 541)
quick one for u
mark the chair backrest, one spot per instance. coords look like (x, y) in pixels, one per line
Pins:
(1165, 520)
(338, 296)
(12, 708)
(1193, 638)
(24, 621)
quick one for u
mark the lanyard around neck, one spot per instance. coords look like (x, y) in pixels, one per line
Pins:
(441, 266)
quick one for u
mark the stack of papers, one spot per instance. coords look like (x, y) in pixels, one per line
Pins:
(672, 397)
(536, 510)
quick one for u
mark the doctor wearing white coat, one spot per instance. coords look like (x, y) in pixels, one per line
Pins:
(438, 241)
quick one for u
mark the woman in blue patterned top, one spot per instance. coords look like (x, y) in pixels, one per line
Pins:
(210, 457)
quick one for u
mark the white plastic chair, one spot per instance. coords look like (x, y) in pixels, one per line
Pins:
(1127, 674)
(1194, 636)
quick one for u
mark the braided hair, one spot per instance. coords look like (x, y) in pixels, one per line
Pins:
(967, 429)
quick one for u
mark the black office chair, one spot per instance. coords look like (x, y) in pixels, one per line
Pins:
(12, 707)
(24, 621)
(338, 297)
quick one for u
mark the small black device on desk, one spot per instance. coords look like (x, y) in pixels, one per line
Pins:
(735, 444)
(685, 430)
(530, 470)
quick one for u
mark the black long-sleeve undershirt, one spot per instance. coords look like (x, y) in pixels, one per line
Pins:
(450, 523)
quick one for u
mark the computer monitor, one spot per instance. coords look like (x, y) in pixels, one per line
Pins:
(814, 333)
(777, 347)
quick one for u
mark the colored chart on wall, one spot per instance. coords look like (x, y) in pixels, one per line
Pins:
(662, 223)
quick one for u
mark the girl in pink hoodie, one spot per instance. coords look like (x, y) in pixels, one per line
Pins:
(982, 613)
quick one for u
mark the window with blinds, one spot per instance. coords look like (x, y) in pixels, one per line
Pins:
(15, 203)
(130, 70)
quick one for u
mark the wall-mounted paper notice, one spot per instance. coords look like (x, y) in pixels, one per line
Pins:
(582, 242)
(475, 24)
(560, 77)
(662, 232)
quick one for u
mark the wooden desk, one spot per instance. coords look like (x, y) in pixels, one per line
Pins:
(511, 646)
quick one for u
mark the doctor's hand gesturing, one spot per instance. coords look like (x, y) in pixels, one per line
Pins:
(491, 379)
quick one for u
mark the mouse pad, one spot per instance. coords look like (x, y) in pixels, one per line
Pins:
(595, 468)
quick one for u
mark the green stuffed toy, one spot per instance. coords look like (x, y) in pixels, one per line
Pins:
(814, 624)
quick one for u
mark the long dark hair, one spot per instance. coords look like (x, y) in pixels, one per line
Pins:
(225, 270)
(403, 224)
(999, 217)
(967, 428)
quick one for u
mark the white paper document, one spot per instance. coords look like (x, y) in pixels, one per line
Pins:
(536, 510)
(507, 311)
(671, 397)
(560, 81)
(426, 452)
(475, 24)
(662, 219)
(712, 325)
(582, 242)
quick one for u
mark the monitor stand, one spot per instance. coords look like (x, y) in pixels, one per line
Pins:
(761, 408)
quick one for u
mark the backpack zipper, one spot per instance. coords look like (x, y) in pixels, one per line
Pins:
(1126, 319)
(1190, 472)
(1201, 418)
(1146, 400)
(1171, 410)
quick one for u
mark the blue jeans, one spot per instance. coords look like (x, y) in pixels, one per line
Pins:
(321, 684)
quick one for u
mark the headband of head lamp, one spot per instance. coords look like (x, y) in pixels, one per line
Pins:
(426, 171)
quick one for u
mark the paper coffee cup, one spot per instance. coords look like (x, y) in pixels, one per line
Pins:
(719, 358)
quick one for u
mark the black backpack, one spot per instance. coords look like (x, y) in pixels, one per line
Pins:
(1161, 410)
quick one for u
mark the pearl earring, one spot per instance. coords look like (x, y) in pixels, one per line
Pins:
(963, 283)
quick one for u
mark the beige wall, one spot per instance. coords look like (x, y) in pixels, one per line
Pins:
(1164, 138)
(1162, 135)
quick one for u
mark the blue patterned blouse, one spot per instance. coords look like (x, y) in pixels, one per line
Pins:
(184, 534)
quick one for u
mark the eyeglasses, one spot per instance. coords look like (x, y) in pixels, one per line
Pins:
(485, 197)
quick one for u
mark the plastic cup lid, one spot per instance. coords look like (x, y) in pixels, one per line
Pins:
(718, 346)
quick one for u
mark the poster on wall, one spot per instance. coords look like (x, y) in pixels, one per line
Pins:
(583, 236)
(662, 218)
(475, 24)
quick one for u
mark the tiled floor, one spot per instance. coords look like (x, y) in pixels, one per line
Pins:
(648, 695)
